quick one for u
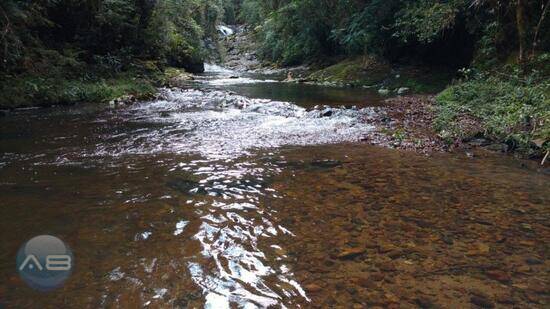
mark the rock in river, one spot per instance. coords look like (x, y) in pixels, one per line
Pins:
(402, 90)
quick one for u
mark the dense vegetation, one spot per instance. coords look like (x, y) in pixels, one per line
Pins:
(55, 51)
(294, 31)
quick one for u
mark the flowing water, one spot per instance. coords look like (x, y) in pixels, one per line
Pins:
(236, 192)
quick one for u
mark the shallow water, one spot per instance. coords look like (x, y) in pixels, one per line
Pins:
(268, 86)
(206, 198)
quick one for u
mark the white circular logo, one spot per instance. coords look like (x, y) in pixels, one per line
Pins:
(44, 262)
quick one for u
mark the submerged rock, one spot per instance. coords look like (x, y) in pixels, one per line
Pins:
(350, 253)
(182, 185)
(325, 163)
(482, 301)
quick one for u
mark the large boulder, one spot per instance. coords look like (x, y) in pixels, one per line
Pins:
(191, 63)
(194, 66)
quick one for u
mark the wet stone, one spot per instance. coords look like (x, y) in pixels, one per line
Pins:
(482, 302)
(377, 277)
(498, 276)
(313, 288)
(425, 302)
(325, 164)
(533, 261)
(326, 113)
(351, 253)
(182, 185)
(447, 239)
(387, 266)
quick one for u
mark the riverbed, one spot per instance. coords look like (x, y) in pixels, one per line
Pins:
(242, 191)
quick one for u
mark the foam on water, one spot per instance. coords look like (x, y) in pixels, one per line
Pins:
(218, 124)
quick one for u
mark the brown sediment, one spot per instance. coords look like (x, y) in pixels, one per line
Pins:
(374, 239)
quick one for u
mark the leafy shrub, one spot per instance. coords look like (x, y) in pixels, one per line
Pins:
(513, 107)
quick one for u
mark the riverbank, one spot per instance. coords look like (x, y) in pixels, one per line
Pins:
(411, 123)
(427, 111)
(43, 90)
(407, 123)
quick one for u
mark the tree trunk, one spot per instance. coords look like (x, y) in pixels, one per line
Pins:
(521, 23)
(145, 11)
(537, 29)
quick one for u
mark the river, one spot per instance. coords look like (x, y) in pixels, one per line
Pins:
(239, 192)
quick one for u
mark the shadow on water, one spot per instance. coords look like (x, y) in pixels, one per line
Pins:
(310, 95)
(270, 87)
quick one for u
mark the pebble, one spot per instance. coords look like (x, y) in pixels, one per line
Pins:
(533, 261)
(312, 288)
(481, 302)
(387, 266)
(366, 282)
(377, 277)
(479, 249)
(350, 253)
(498, 275)
(447, 239)
(424, 302)
(505, 299)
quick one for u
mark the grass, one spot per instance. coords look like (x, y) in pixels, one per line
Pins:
(508, 109)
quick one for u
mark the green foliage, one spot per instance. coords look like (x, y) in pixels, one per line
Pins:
(251, 12)
(512, 105)
(426, 20)
(68, 51)
(297, 31)
(369, 28)
(109, 33)
(32, 90)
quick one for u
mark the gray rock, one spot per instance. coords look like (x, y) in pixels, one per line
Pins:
(326, 113)
(498, 147)
(479, 142)
(402, 90)
(383, 91)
